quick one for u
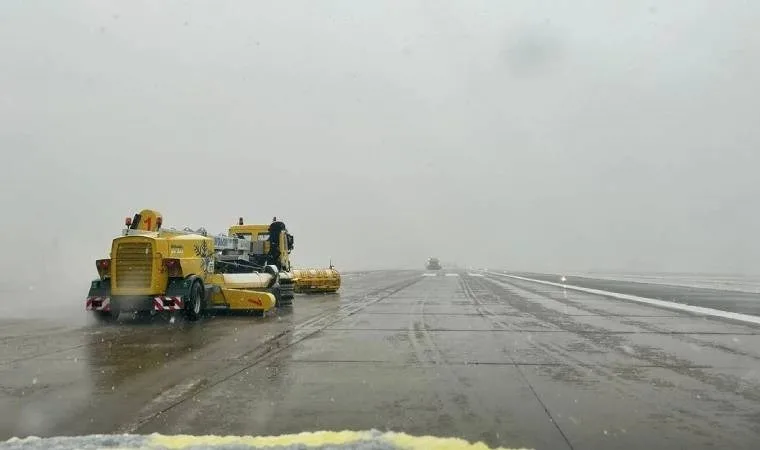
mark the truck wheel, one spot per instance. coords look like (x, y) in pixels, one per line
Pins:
(275, 290)
(283, 298)
(194, 304)
(286, 298)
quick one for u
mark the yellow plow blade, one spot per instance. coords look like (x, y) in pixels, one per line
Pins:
(241, 299)
(316, 280)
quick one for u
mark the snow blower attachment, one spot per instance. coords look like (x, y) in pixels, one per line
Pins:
(316, 281)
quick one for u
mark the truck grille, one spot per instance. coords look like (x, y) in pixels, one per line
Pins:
(134, 263)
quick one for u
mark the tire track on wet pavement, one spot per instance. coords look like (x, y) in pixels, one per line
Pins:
(607, 342)
(488, 315)
(634, 382)
(456, 407)
(267, 349)
(568, 367)
(686, 337)
(547, 348)
(460, 401)
(683, 336)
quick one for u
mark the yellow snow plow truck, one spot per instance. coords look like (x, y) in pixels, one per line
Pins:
(152, 269)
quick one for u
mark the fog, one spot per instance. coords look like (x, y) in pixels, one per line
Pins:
(525, 135)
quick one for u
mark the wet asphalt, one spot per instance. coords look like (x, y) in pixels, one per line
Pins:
(484, 358)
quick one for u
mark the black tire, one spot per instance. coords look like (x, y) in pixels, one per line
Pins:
(194, 303)
(286, 298)
(277, 292)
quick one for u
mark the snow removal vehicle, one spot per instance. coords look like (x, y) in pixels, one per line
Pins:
(305, 280)
(153, 269)
(433, 264)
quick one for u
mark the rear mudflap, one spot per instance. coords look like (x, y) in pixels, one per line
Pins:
(168, 303)
(177, 290)
(98, 304)
(99, 296)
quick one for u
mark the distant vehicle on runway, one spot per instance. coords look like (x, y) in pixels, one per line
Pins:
(433, 264)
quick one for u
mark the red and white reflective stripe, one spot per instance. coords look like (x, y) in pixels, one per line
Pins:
(165, 303)
(98, 304)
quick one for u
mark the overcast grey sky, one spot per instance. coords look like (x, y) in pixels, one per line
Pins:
(539, 135)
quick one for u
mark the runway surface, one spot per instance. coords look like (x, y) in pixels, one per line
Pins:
(473, 355)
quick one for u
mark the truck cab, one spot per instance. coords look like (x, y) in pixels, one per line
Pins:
(266, 247)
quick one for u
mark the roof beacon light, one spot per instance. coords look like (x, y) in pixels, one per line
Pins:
(240, 221)
(128, 221)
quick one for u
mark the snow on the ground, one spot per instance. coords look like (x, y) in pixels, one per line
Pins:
(356, 440)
